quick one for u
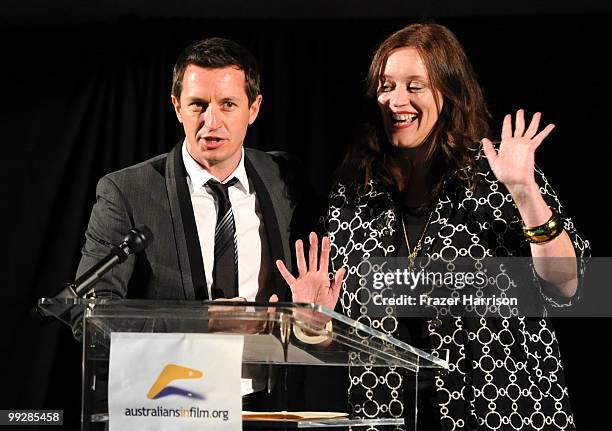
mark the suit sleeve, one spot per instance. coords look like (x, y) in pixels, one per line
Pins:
(110, 220)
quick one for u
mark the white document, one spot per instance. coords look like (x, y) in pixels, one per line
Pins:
(175, 382)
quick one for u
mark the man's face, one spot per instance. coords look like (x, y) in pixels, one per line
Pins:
(215, 112)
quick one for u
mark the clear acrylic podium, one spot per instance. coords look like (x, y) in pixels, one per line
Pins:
(276, 336)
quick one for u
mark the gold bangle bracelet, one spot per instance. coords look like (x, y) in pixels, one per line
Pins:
(544, 232)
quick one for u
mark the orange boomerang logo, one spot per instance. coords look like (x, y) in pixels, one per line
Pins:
(170, 373)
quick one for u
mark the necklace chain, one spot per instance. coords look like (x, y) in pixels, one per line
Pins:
(412, 254)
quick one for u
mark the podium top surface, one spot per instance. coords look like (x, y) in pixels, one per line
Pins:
(280, 332)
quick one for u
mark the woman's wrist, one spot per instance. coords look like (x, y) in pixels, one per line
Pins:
(524, 193)
(531, 205)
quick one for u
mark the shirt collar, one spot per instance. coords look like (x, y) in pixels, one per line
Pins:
(199, 176)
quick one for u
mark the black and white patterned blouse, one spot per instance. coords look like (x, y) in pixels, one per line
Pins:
(505, 373)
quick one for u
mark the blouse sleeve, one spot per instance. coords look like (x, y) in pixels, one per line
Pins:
(581, 245)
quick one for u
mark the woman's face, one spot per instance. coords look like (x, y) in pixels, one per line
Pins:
(406, 99)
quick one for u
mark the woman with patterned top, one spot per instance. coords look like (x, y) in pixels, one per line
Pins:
(424, 183)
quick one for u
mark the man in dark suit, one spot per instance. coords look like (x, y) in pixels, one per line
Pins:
(221, 215)
(215, 94)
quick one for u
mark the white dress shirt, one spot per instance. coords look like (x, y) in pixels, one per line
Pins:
(253, 253)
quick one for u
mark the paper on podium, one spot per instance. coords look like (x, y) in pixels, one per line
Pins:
(291, 416)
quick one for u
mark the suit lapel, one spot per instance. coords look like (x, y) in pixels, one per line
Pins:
(185, 230)
(267, 191)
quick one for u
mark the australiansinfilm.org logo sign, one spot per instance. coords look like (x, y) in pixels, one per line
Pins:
(163, 387)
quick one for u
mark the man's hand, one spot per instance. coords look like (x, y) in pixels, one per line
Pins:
(313, 284)
(220, 322)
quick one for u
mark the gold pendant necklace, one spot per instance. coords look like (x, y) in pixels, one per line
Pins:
(412, 254)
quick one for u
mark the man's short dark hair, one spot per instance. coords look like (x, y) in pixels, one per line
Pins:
(216, 53)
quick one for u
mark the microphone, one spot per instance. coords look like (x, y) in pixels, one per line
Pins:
(134, 241)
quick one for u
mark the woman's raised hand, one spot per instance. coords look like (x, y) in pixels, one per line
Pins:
(313, 284)
(514, 162)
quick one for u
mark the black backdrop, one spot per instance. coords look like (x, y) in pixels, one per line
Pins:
(82, 100)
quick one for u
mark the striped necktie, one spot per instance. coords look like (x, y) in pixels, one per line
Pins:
(225, 269)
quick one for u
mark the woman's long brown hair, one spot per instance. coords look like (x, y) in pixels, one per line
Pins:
(462, 122)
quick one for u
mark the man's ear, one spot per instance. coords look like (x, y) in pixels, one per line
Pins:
(254, 109)
(177, 107)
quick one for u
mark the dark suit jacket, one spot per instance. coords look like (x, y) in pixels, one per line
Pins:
(155, 193)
